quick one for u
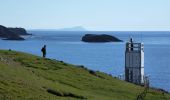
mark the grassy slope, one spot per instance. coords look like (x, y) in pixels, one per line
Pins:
(25, 76)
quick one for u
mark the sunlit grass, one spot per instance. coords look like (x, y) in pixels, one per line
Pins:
(25, 76)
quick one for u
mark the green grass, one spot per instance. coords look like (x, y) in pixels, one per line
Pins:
(24, 76)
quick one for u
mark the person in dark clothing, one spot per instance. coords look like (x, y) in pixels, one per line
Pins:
(43, 50)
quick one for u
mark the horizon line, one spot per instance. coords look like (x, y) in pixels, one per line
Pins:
(98, 30)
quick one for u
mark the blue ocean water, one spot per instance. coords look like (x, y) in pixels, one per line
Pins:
(105, 57)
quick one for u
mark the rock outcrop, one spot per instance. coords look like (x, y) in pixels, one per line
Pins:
(12, 33)
(100, 38)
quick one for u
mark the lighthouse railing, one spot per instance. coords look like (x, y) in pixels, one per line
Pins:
(134, 46)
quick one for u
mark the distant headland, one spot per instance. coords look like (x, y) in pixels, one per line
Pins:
(8, 33)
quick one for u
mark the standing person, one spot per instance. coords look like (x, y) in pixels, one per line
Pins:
(43, 50)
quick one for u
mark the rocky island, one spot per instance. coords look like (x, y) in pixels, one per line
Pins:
(100, 38)
(12, 33)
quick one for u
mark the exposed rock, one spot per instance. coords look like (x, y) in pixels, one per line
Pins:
(12, 33)
(100, 38)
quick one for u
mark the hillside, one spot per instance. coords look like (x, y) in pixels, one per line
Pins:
(25, 76)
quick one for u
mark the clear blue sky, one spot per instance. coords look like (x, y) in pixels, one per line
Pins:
(91, 14)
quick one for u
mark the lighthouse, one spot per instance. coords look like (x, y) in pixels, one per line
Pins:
(134, 62)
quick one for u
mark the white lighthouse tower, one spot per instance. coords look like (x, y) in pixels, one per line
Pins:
(134, 62)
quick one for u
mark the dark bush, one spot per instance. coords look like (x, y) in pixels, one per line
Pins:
(92, 72)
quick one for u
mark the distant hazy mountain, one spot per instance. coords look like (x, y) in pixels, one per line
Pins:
(76, 28)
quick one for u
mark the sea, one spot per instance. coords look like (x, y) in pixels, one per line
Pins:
(105, 57)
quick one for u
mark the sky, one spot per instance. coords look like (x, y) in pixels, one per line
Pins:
(99, 15)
